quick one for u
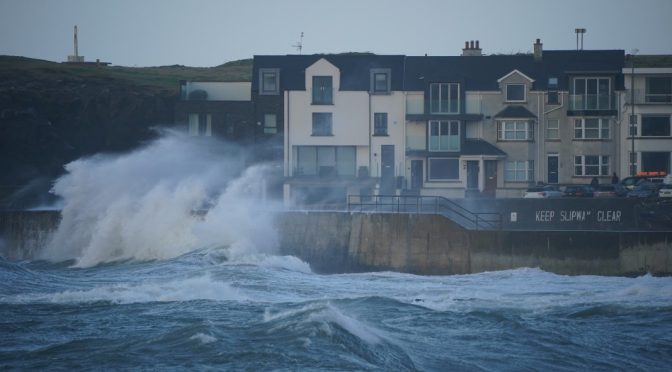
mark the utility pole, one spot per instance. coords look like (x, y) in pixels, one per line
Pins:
(633, 117)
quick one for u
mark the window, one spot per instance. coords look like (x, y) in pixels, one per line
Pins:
(444, 135)
(553, 97)
(656, 126)
(380, 124)
(322, 124)
(324, 161)
(322, 90)
(658, 89)
(656, 161)
(591, 128)
(270, 124)
(443, 169)
(633, 125)
(519, 171)
(515, 130)
(269, 80)
(380, 81)
(591, 165)
(444, 98)
(515, 92)
(591, 94)
(552, 129)
(200, 124)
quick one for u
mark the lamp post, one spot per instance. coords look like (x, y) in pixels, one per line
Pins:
(633, 117)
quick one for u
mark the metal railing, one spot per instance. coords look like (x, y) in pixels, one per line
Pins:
(642, 97)
(426, 205)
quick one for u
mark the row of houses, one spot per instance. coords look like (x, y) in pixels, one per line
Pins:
(452, 126)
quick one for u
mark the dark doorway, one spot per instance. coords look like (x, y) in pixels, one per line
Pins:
(552, 166)
(490, 177)
(387, 184)
(417, 175)
(472, 174)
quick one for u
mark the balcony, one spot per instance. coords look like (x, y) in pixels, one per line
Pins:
(643, 98)
(592, 104)
(416, 143)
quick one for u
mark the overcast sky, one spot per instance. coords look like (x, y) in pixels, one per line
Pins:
(208, 32)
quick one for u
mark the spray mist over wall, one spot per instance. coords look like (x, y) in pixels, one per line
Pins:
(141, 205)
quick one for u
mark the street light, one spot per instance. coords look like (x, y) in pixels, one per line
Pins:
(633, 117)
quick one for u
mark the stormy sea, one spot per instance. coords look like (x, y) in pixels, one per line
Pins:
(135, 278)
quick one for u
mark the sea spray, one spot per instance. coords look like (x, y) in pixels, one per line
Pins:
(145, 205)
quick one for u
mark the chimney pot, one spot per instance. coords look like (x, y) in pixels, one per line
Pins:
(466, 44)
(471, 44)
(477, 47)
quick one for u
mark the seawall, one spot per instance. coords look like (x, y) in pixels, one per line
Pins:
(425, 244)
(334, 242)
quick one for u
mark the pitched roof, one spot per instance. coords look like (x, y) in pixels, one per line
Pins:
(354, 69)
(515, 112)
(480, 73)
(477, 146)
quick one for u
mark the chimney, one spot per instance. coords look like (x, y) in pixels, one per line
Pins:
(471, 49)
(538, 50)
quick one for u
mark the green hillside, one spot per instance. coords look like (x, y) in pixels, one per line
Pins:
(161, 77)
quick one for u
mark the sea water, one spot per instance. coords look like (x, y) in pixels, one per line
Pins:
(135, 279)
(263, 312)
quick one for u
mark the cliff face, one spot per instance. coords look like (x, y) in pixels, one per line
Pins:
(52, 114)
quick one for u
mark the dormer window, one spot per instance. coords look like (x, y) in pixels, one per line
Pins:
(269, 81)
(515, 92)
(322, 90)
(380, 81)
(444, 98)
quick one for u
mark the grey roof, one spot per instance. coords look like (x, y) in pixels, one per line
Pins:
(477, 146)
(515, 112)
(354, 69)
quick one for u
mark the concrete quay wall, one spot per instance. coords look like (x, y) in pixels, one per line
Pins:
(334, 242)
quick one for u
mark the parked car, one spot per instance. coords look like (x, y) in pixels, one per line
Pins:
(644, 190)
(548, 191)
(578, 191)
(612, 190)
(665, 191)
(631, 182)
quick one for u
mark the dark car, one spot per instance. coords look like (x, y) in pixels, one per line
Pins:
(578, 191)
(610, 191)
(631, 182)
(644, 190)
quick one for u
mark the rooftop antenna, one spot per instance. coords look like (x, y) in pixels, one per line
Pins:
(299, 45)
(579, 31)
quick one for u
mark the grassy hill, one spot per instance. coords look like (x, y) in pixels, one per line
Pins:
(161, 78)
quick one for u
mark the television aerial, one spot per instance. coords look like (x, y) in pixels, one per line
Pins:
(299, 45)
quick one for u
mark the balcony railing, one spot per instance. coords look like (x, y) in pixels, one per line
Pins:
(643, 98)
(416, 143)
(592, 102)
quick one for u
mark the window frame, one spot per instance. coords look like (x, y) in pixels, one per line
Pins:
(270, 129)
(430, 160)
(548, 129)
(649, 116)
(524, 166)
(502, 130)
(326, 97)
(603, 165)
(449, 100)
(451, 124)
(380, 126)
(316, 123)
(338, 152)
(373, 87)
(666, 97)
(506, 91)
(262, 81)
(601, 129)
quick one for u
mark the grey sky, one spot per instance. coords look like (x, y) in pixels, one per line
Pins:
(208, 32)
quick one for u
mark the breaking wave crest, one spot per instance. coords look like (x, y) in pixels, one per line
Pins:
(148, 204)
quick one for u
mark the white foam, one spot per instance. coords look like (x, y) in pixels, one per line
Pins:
(140, 205)
(190, 289)
(203, 338)
(290, 263)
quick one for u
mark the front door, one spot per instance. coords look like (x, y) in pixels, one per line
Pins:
(490, 177)
(416, 174)
(387, 170)
(552, 162)
(472, 174)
